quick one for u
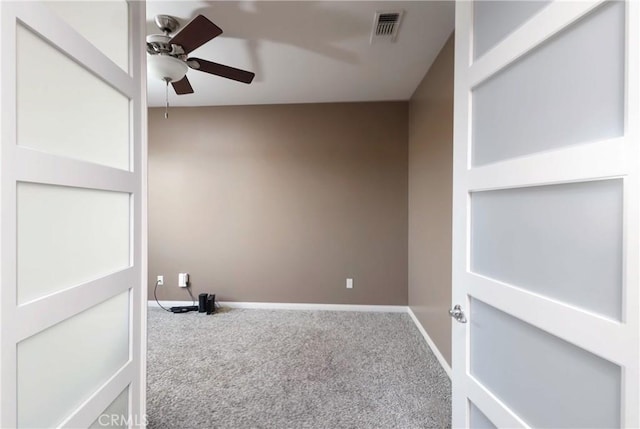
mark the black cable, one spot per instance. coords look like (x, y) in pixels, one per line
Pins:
(193, 300)
(156, 297)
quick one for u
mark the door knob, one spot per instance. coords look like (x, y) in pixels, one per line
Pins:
(457, 313)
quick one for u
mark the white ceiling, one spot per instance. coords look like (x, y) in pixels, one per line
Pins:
(307, 51)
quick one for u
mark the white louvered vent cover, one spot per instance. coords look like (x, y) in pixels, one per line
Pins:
(386, 25)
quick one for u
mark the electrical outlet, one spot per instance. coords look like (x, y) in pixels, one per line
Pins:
(183, 280)
(160, 280)
(349, 283)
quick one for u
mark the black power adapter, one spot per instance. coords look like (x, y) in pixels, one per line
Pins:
(211, 304)
(184, 309)
(206, 303)
(202, 302)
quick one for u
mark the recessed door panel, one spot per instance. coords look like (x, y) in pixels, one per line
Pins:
(103, 23)
(477, 419)
(561, 241)
(59, 242)
(62, 366)
(494, 20)
(567, 91)
(548, 382)
(116, 415)
(64, 109)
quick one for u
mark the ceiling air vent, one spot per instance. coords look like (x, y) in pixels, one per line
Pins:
(386, 25)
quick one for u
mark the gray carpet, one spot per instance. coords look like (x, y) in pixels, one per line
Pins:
(292, 369)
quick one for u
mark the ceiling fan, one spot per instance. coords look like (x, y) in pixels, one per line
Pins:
(168, 53)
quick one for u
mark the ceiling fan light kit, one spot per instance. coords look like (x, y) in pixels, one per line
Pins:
(166, 68)
(167, 56)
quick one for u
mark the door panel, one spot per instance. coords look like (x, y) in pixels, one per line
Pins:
(546, 215)
(493, 20)
(109, 417)
(72, 168)
(95, 116)
(50, 215)
(94, 343)
(548, 382)
(105, 24)
(572, 87)
(560, 241)
(478, 420)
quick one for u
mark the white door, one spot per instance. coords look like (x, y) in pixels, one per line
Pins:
(72, 193)
(546, 214)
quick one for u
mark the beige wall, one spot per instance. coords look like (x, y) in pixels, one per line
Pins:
(280, 203)
(430, 190)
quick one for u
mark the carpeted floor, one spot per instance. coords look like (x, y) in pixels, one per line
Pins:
(282, 369)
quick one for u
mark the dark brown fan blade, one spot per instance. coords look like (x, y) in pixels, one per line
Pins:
(197, 32)
(182, 86)
(220, 70)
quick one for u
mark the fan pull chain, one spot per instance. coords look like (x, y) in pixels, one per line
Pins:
(166, 94)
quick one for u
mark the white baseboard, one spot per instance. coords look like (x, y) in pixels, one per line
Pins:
(431, 344)
(167, 304)
(327, 307)
(294, 306)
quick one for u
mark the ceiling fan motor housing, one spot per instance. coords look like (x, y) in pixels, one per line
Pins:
(160, 44)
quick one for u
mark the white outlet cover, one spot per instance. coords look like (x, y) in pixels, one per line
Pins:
(183, 279)
(160, 280)
(349, 283)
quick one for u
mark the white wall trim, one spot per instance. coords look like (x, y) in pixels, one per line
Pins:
(430, 343)
(295, 306)
(167, 304)
(322, 307)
